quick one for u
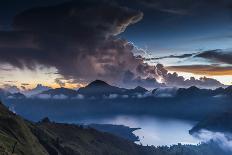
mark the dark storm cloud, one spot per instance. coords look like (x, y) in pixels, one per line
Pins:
(80, 40)
(217, 55)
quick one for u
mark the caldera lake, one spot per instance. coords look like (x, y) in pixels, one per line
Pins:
(153, 130)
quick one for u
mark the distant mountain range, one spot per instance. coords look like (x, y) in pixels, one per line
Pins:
(197, 92)
(60, 91)
(5, 94)
(100, 89)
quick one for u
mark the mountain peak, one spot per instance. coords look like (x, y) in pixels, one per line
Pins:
(98, 83)
(193, 88)
(139, 88)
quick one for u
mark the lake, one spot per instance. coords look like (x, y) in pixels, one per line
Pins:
(154, 130)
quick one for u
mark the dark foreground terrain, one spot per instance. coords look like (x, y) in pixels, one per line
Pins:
(21, 137)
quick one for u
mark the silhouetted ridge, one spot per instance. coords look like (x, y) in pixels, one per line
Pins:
(98, 83)
(221, 122)
(194, 91)
(100, 88)
(228, 91)
(137, 90)
(17, 96)
(140, 89)
(61, 91)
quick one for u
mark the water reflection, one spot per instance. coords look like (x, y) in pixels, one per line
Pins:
(154, 131)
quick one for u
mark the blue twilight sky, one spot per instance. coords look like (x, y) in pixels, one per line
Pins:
(205, 27)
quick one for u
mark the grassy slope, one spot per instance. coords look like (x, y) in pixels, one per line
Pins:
(71, 139)
(53, 138)
(14, 129)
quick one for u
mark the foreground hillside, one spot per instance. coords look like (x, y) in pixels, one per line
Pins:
(21, 137)
(16, 137)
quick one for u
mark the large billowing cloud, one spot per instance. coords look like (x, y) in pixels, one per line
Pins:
(80, 39)
(173, 79)
(77, 38)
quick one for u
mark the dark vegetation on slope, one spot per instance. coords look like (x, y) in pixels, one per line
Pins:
(218, 123)
(118, 130)
(16, 136)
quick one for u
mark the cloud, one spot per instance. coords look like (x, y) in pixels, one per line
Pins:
(79, 96)
(60, 82)
(184, 7)
(23, 88)
(170, 56)
(166, 92)
(6, 69)
(176, 7)
(113, 96)
(38, 89)
(60, 97)
(80, 39)
(173, 79)
(11, 88)
(131, 80)
(207, 70)
(43, 96)
(25, 84)
(222, 139)
(217, 56)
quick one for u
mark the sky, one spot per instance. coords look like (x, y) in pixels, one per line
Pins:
(151, 43)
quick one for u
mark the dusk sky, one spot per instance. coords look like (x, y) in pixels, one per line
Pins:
(151, 43)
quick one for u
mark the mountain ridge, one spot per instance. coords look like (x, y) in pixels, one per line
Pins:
(101, 89)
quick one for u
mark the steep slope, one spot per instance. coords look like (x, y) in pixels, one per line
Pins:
(217, 123)
(197, 92)
(137, 90)
(67, 139)
(193, 92)
(16, 137)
